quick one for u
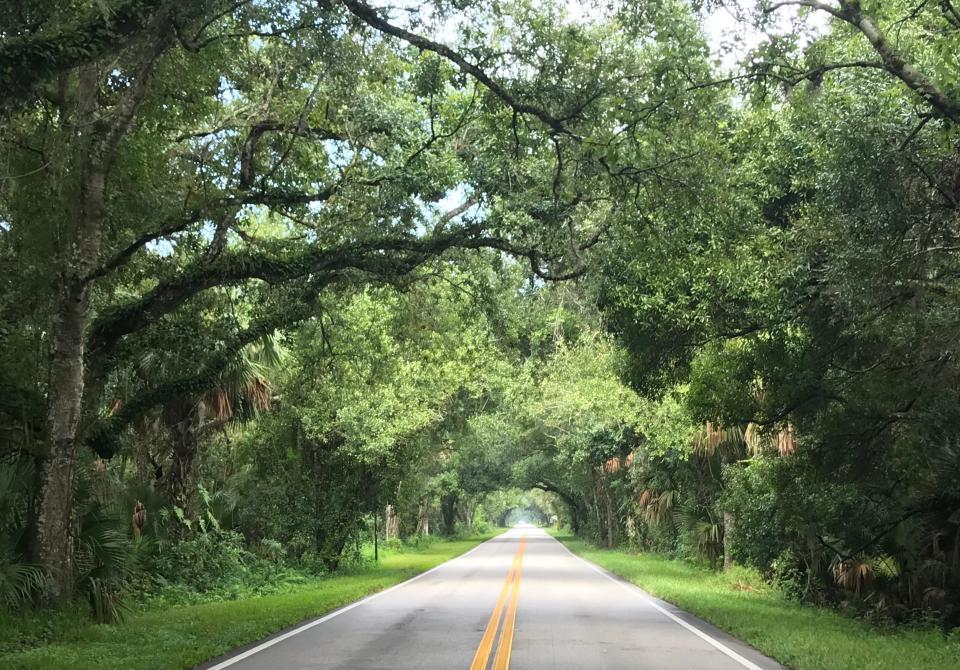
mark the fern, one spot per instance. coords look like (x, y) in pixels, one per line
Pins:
(19, 582)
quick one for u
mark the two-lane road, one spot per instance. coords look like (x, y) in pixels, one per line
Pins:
(520, 600)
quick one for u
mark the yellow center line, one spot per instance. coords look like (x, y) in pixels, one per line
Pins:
(482, 656)
(505, 646)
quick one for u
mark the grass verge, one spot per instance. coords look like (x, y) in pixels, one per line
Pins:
(181, 637)
(800, 636)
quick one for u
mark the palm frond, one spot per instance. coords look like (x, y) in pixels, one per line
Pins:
(19, 582)
(658, 507)
(105, 601)
(713, 438)
(854, 574)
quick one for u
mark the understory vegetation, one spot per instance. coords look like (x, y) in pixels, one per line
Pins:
(284, 282)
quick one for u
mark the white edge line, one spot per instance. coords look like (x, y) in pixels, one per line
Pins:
(316, 622)
(640, 593)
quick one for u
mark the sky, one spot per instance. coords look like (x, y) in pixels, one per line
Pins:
(731, 38)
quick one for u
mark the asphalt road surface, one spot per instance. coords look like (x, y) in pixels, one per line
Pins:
(520, 600)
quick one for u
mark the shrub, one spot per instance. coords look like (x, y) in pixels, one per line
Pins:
(271, 550)
(788, 576)
(204, 562)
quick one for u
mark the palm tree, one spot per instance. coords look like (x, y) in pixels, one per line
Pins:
(732, 444)
(242, 391)
(239, 394)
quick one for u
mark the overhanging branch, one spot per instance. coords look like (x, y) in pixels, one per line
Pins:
(894, 61)
(370, 16)
(393, 256)
(174, 225)
(103, 438)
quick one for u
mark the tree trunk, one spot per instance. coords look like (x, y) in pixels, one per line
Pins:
(391, 523)
(180, 416)
(631, 528)
(896, 64)
(178, 479)
(467, 514)
(54, 528)
(611, 519)
(52, 542)
(598, 533)
(448, 508)
(54, 522)
(728, 526)
(574, 519)
(423, 518)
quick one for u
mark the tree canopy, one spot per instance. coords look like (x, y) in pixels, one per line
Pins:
(277, 270)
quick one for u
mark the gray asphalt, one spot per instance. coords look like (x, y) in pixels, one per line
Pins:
(570, 614)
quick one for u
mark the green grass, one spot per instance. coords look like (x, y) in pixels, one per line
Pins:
(181, 637)
(799, 636)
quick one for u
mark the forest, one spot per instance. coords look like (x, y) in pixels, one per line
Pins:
(281, 280)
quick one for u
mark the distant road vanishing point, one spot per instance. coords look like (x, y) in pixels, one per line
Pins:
(520, 600)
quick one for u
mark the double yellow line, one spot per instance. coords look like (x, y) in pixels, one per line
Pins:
(511, 589)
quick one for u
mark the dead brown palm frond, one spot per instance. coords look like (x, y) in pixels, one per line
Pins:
(701, 441)
(704, 440)
(758, 440)
(716, 436)
(218, 405)
(618, 463)
(786, 440)
(854, 574)
(646, 496)
(138, 520)
(659, 508)
(259, 393)
(244, 389)
(650, 515)
(713, 438)
(753, 438)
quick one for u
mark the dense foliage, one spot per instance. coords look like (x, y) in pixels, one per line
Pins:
(283, 277)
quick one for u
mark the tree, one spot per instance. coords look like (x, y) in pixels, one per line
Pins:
(814, 299)
(164, 205)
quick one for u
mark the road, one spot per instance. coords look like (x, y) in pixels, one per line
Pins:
(520, 600)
